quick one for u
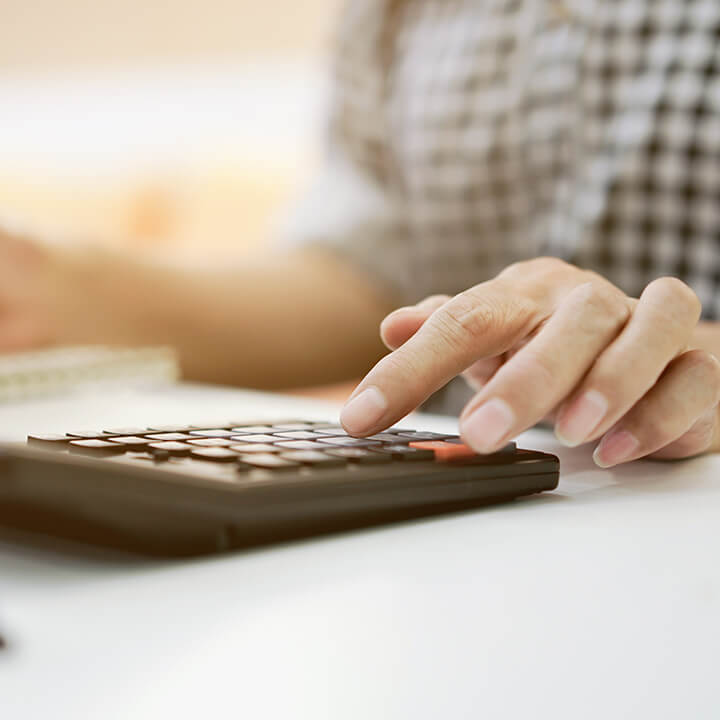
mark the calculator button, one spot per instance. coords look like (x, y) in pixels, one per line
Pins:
(269, 462)
(214, 454)
(313, 457)
(254, 438)
(87, 434)
(170, 436)
(318, 434)
(293, 426)
(211, 442)
(404, 452)
(251, 429)
(254, 448)
(445, 451)
(360, 455)
(421, 436)
(174, 448)
(335, 429)
(212, 433)
(125, 431)
(297, 435)
(350, 442)
(130, 441)
(49, 439)
(96, 447)
(329, 432)
(301, 445)
(389, 437)
(169, 428)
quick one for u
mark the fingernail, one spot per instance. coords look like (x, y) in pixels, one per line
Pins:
(581, 418)
(363, 412)
(615, 448)
(487, 428)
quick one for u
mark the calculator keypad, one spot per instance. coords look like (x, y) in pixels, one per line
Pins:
(275, 447)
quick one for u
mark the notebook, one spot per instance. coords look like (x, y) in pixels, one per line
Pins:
(48, 372)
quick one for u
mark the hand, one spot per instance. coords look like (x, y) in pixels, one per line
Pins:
(27, 287)
(546, 339)
(51, 294)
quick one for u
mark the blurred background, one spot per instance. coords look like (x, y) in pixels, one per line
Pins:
(179, 127)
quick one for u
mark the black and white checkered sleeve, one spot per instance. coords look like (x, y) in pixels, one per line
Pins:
(351, 208)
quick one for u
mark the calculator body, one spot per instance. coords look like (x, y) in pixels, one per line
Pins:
(186, 504)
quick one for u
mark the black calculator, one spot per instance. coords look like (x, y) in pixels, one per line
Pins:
(188, 490)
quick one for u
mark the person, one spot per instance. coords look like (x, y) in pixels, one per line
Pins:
(536, 183)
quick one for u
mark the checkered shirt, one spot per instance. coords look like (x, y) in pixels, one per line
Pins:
(469, 134)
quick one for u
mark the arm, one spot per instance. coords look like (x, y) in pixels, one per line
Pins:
(270, 321)
(302, 316)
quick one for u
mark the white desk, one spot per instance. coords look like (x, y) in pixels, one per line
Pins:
(601, 600)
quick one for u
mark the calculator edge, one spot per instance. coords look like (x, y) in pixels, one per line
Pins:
(94, 501)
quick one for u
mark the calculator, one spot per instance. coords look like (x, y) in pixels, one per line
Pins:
(189, 490)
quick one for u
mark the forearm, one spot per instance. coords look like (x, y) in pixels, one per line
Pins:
(268, 322)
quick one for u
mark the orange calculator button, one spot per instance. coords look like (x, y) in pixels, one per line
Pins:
(444, 451)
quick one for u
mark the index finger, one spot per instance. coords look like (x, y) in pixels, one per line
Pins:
(484, 321)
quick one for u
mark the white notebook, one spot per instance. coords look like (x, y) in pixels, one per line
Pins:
(58, 370)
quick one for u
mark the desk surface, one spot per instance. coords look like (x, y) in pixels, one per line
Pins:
(600, 600)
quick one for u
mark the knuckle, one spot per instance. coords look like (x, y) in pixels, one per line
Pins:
(548, 264)
(465, 316)
(516, 269)
(674, 298)
(539, 366)
(621, 389)
(603, 300)
(434, 300)
(405, 368)
(539, 266)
